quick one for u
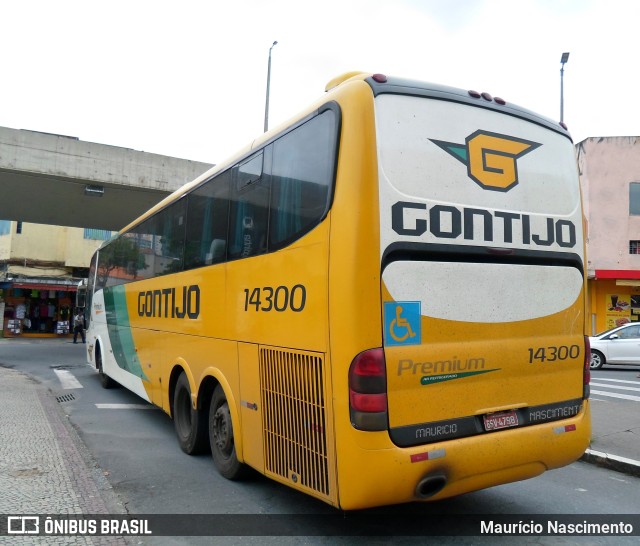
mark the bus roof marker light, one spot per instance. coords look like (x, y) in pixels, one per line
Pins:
(500, 101)
(380, 78)
(486, 96)
(474, 94)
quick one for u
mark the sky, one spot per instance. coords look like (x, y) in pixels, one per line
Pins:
(187, 78)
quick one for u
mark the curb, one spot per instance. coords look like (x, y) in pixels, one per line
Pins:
(613, 462)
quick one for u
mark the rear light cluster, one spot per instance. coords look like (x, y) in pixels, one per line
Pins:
(368, 391)
(586, 378)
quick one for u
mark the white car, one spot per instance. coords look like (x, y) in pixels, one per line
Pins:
(620, 345)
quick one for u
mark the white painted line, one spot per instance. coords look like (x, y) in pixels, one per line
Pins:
(126, 406)
(68, 380)
(618, 380)
(619, 387)
(616, 395)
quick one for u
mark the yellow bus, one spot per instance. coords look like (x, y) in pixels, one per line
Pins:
(378, 302)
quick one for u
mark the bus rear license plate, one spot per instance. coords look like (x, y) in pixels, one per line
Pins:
(503, 419)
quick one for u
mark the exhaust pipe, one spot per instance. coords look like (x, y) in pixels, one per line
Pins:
(430, 485)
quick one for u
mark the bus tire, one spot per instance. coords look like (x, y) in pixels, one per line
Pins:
(223, 448)
(190, 424)
(105, 380)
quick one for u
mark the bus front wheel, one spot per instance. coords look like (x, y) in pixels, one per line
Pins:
(105, 380)
(223, 449)
(190, 424)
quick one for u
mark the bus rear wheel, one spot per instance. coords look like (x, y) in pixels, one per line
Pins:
(190, 424)
(223, 448)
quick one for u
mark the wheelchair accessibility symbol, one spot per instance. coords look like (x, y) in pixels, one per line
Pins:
(402, 323)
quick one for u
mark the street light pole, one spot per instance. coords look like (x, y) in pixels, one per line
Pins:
(563, 60)
(266, 106)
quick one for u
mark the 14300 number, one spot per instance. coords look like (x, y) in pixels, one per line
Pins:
(280, 298)
(551, 354)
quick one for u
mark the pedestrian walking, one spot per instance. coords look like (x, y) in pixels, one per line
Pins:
(78, 326)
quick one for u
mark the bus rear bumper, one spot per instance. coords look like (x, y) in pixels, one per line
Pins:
(375, 477)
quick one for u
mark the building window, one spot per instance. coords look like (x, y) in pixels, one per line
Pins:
(634, 247)
(18, 227)
(5, 227)
(634, 198)
(97, 234)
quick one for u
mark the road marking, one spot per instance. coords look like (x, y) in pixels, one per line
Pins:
(619, 387)
(616, 395)
(125, 406)
(68, 380)
(617, 380)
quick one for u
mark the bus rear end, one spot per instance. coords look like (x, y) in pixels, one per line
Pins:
(483, 377)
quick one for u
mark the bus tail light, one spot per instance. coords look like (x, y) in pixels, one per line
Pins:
(587, 368)
(368, 391)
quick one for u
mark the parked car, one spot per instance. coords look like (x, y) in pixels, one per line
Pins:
(620, 345)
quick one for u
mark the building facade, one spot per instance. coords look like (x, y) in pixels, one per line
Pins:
(40, 268)
(610, 177)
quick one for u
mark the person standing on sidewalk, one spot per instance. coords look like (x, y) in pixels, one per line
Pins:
(78, 326)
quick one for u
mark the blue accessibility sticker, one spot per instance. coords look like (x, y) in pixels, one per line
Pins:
(402, 324)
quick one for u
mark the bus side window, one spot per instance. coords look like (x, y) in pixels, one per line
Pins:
(207, 215)
(302, 178)
(169, 238)
(249, 210)
(125, 259)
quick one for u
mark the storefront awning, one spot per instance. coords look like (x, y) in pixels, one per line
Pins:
(46, 286)
(622, 274)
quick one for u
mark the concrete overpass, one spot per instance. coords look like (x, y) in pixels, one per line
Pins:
(60, 180)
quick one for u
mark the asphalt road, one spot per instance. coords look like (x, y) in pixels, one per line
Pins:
(134, 444)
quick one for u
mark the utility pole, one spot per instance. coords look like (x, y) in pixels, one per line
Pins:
(563, 60)
(266, 106)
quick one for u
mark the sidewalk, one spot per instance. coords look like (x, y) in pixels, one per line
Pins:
(44, 466)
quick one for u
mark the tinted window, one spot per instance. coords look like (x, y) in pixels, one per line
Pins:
(302, 177)
(207, 216)
(154, 247)
(160, 239)
(119, 262)
(249, 210)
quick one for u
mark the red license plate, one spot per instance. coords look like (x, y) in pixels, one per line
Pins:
(503, 419)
